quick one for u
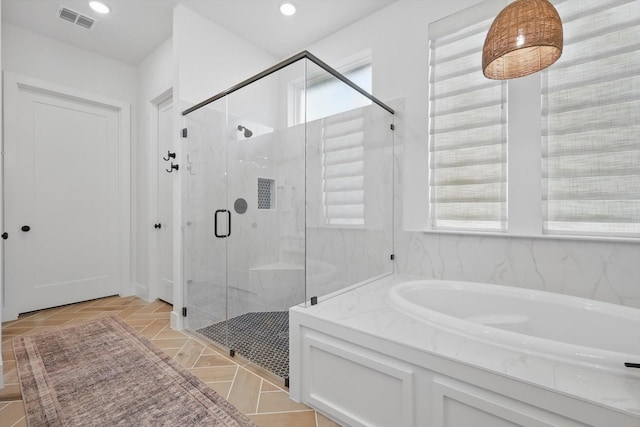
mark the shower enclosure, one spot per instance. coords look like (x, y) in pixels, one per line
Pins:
(287, 199)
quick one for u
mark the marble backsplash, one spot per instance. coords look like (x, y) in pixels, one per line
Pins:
(601, 270)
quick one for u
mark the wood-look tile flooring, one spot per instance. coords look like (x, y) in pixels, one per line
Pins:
(253, 393)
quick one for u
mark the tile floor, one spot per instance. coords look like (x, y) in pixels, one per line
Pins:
(261, 337)
(251, 391)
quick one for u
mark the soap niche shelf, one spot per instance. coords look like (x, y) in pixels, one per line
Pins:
(266, 193)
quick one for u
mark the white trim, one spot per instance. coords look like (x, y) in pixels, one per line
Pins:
(177, 322)
(1, 217)
(583, 238)
(13, 82)
(139, 289)
(152, 290)
(524, 207)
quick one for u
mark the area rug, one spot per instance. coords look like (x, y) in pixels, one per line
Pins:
(104, 373)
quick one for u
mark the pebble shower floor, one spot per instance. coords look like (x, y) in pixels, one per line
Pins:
(261, 337)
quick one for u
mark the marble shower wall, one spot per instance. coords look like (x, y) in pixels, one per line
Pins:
(603, 271)
(340, 255)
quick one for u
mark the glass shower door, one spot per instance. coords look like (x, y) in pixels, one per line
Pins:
(204, 192)
(244, 220)
(265, 194)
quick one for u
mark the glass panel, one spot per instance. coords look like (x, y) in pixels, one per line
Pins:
(272, 201)
(265, 251)
(204, 191)
(349, 184)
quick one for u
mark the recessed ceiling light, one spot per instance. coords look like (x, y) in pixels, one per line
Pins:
(99, 7)
(287, 9)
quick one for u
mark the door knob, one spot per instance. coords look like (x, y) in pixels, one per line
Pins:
(5, 235)
(25, 228)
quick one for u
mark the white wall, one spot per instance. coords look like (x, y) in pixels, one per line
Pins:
(31, 54)
(155, 75)
(398, 38)
(210, 58)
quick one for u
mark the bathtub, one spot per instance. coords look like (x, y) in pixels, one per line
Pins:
(574, 331)
(441, 353)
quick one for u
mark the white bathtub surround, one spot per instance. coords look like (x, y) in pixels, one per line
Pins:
(431, 374)
(540, 325)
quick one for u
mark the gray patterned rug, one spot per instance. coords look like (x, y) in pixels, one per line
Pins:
(105, 373)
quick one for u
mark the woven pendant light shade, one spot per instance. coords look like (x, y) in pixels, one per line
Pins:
(524, 38)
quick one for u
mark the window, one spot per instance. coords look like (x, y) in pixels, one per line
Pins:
(574, 136)
(590, 126)
(322, 92)
(468, 128)
(338, 106)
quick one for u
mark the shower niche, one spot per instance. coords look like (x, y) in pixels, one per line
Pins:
(266, 193)
(288, 196)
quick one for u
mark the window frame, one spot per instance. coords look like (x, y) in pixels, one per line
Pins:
(299, 86)
(524, 172)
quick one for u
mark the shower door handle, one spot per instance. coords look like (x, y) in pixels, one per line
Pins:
(215, 224)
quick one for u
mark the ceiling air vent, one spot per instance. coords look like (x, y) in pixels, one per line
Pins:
(85, 21)
(68, 15)
(76, 18)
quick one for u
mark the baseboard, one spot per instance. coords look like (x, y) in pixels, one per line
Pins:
(176, 321)
(8, 315)
(141, 291)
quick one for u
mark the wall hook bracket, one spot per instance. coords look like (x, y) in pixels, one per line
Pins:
(176, 167)
(170, 155)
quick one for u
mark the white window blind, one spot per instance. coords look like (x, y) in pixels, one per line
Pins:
(343, 169)
(468, 130)
(343, 152)
(591, 121)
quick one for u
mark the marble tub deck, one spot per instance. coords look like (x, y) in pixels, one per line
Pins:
(364, 308)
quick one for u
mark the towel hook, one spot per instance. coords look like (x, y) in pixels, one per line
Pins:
(170, 155)
(176, 167)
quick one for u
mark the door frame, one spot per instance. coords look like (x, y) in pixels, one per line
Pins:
(13, 83)
(152, 240)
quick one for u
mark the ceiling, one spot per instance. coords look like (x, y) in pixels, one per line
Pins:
(134, 28)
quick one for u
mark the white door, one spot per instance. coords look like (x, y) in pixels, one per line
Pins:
(61, 200)
(165, 201)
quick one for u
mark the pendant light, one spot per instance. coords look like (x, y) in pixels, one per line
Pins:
(525, 37)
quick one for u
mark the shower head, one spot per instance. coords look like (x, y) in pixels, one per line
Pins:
(247, 132)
